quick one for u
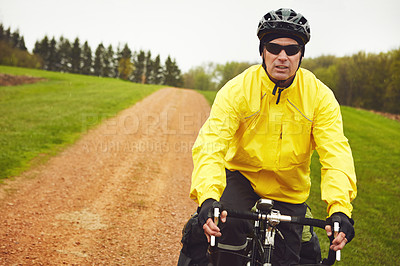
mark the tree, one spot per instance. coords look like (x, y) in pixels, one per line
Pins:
(125, 65)
(54, 58)
(156, 76)
(36, 51)
(76, 57)
(148, 68)
(139, 70)
(126, 52)
(199, 78)
(17, 57)
(392, 96)
(118, 56)
(125, 68)
(15, 39)
(2, 33)
(87, 61)
(42, 49)
(7, 35)
(99, 60)
(172, 74)
(64, 51)
(21, 44)
(226, 72)
(108, 62)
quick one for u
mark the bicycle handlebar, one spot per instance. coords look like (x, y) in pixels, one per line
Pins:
(276, 217)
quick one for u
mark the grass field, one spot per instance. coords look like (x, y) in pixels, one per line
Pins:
(37, 120)
(375, 142)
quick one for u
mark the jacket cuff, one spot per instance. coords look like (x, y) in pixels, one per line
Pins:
(211, 195)
(338, 208)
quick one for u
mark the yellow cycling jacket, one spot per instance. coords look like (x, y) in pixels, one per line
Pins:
(271, 143)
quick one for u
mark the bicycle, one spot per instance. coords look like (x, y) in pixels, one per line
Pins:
(261, 240)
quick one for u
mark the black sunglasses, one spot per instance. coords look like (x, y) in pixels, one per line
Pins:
(275, 49)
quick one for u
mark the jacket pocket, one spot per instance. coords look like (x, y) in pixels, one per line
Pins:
(296, 145)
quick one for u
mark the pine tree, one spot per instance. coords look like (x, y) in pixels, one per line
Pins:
(118, 56)
(139, 63)
(21, 44)
(126, 52)
(7, 35)
(99, 60)
(148, 68)
(76, 57)
(87, 61)
(64, 51)
(2, 32)
(108, 61)
(157, 71)
(42, 49)
(54, 58)
(15, 39)
(172, 74)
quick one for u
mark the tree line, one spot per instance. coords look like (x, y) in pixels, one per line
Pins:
(363, 80)
(13, 51)
(75, 57)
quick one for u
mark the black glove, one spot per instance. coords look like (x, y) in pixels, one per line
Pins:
(206, 210)
(345, 223)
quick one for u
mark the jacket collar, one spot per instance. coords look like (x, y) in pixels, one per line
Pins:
(270, 87)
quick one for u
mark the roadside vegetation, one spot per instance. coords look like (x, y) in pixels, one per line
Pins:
(62, 55)
(39, 119)
(363, 80)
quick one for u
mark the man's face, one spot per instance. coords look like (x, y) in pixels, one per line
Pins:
(281, 66)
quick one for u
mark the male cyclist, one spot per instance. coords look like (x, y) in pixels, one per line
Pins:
(258, 141)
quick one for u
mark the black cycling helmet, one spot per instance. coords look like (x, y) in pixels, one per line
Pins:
(283, 22)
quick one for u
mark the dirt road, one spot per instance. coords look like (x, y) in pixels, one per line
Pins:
(119, 196)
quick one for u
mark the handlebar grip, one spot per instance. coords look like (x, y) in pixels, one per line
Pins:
(309, 221)
(216, 218)
(242, 214)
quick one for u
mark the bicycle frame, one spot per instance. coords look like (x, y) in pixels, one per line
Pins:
(263, 240)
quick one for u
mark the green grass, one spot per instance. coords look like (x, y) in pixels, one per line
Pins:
(37, 120)
(375, 142)
(209, 95)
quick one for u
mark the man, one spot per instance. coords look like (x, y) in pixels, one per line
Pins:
(258, 141)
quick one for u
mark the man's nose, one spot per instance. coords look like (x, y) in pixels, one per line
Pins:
(282, 54)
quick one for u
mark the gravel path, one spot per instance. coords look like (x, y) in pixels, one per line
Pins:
(119, 196)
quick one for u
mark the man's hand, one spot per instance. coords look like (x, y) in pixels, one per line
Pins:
(211, 229)
(346, 232)
(339, 241)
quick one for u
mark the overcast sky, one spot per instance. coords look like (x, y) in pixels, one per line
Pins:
(196, 32)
